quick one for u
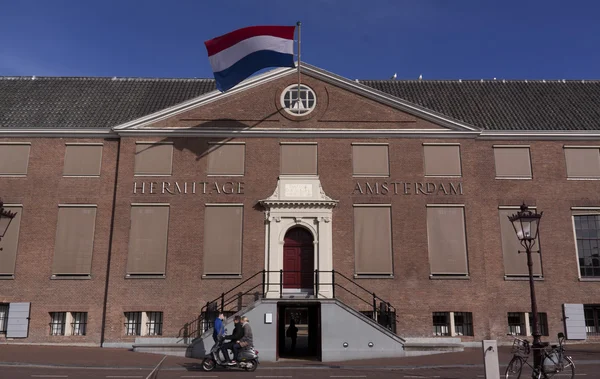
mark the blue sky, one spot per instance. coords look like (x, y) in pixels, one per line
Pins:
(364, 39)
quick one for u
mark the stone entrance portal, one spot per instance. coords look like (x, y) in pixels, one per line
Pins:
(298, 206)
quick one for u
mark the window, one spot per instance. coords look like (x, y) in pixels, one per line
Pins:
(83, 159)
(154, 323)
(10, 243)
(153, 158)
(79, 323)
(3, 318)
(463, 323)
(223, 225)
(516, 324)
(298, 158)
(148, 239)
(442, 159)
(289, 100)
(57, 323)
(133, 323)
(370, 160)
(515, 258)
(226, 159)
(373, 240)
(512, 162)
(583, 162)
(441, 323)
(592, 320)
(521, 323)
(74, 240)
(446, 240)
(452, 324)
(587, 231)
(542, 323)
(14, 158)
(143, 323)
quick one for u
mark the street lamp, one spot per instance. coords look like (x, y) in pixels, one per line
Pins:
(6, 217)
(526, 224)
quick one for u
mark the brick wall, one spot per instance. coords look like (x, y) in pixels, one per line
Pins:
(183, 291)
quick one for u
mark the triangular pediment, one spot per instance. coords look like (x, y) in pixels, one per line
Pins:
(257, 105)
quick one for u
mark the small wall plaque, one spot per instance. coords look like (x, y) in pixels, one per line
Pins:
(268, 318)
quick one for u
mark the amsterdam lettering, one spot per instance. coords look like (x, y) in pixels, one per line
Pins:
(406, 188)
(184, 188)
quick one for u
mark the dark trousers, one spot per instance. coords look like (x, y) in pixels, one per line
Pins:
(293, 344)
(215, 338)
(228, 346)
(236, 351)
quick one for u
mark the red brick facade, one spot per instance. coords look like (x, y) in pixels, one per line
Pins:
(183, 291)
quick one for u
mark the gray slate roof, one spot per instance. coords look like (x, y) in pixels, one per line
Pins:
(89, 102)
(54, 102)
(505, 105)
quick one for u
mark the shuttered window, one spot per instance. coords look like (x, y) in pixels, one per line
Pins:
(226, 159)
(373, 240)
(10, 242)
(148, 239)
(14, 158)
(370, 160)
(442, 160)
(223, 239)
(446, 240)
(298, 159)
(515, 258)
(83, 160)
(153, 159)
(582, 162)
(74, 240)
(512, 162)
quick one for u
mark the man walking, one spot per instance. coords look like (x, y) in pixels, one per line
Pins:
(219, 328)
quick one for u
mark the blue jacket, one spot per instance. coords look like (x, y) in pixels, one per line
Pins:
(219, 327)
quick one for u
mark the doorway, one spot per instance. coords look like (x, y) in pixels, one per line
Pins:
(299, 331)
(298, 261)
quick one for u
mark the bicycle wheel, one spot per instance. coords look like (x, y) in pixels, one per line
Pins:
(568, 371)
(513, 371)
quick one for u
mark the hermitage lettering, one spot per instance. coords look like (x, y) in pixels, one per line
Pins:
(406, 188)
(184, 188)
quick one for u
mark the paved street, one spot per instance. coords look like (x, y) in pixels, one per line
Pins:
(20, 361)
(583, 371)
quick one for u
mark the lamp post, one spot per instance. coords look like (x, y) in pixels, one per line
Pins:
(6, 217)
(526, 224)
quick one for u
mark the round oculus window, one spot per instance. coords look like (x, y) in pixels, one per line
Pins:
(306, 103)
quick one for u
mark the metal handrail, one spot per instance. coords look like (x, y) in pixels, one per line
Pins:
(224, 302)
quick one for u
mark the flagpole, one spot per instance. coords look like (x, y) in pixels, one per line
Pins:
(299, 25)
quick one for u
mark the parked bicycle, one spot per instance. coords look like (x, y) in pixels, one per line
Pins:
(553, 360)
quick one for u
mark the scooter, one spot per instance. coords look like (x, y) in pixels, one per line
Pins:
(247, 358)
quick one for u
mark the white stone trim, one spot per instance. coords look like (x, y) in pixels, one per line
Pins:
(283, 212)
(84, 144)
(57, 132)
(298, 133)
(441, 144)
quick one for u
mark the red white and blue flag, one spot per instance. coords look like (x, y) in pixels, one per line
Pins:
(237, 55)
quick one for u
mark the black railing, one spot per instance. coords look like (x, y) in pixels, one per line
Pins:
(230, 302)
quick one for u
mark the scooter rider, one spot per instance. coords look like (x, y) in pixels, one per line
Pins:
(238, 333)
(246, 340)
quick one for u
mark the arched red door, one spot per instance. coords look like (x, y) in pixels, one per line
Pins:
(298, 259)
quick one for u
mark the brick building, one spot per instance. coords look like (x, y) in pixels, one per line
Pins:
(139, 201)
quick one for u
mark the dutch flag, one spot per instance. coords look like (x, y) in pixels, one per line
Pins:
(237, 55)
